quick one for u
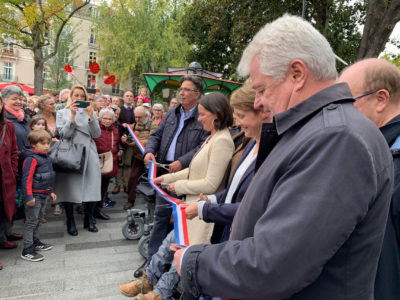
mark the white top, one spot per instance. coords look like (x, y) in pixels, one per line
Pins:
(234, 183)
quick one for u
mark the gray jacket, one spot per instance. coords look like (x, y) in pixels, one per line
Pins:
(77, 188)
(189, 140)
(311, 223)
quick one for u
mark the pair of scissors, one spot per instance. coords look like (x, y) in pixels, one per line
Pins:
(164, 166)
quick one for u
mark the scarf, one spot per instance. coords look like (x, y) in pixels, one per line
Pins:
(19, 114)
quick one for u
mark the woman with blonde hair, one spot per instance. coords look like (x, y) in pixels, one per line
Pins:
(82, 126)
(47, 109)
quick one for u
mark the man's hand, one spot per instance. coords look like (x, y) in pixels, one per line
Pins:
(177, 260)
(53, 196)
(119, 153)
(175, 166)
(171, 187)
(31, 203)
(123, 138)
(191, 209)
(149, 157)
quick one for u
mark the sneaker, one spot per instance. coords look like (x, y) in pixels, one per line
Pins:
(42, 246)
(108, 203)
(57, 210)
(31, 255)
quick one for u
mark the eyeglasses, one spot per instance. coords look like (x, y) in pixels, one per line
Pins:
(366, 94)
(186, 90)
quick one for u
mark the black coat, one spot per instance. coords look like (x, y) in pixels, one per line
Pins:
(387, 282)
(21, 131)
(188, 142)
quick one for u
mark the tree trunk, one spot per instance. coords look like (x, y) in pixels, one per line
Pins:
(382, 16)
(38, 59)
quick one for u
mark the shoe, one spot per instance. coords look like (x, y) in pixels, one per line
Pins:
(135, 287)
(8, 245)
(152, 295)
(57, 210)
(69, 212)
(128, 205)
(1, 266)
(89, 221)
(98, 214)
(39, 246)
(14, 237)
(107, 199)
(116, 190)
(43, 221)
(126, 189)
(31, 255)
(139, 271)
(108, 204)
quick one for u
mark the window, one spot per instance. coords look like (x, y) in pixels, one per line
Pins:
(8, 70)
(115, 89)
(89, 85)
(92, 57)
(92, 39)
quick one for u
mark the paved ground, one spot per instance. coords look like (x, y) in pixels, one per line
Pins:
(88, 266)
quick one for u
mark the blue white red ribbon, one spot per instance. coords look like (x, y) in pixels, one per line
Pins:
(180, 222)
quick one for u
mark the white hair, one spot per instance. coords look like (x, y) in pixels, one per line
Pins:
(62, 93)
(108, 111)
(159, 106)
(142, 109)
(288, 38)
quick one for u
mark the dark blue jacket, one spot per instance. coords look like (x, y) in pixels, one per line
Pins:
(222, 213)
(188, 142)
(21, 131)
(387, 282)
(37, 175)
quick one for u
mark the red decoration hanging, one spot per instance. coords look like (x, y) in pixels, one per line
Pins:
(94, 67)
(106, 75)
(110, 80)
(68, 68)
(92, 81)
(115, 82)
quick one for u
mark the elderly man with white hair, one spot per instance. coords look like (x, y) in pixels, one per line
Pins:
(312, 221)
(63, 97)
(142, 127)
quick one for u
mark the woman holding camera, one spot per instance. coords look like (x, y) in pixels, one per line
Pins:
(79, 123)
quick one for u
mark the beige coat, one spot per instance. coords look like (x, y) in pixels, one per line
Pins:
(206, 174)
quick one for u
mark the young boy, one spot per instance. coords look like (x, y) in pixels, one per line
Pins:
(37, 186)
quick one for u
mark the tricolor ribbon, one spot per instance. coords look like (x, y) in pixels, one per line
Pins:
(180, 223)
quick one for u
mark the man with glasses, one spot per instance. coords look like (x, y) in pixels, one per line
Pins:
(375, 85)
(312, 221)
(174, 142)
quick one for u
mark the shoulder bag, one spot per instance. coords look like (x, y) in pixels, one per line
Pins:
(106, 159)
(68, 157)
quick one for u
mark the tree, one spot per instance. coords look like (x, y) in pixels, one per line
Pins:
(221, 29)
(65, 55)
(29, 24)
(137, 36)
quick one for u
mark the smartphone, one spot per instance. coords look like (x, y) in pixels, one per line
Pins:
(82, 104)
(91, 91)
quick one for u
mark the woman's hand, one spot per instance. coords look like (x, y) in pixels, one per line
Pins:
(123, 138)
(159, 179)
(90, 112)
(120, 153)
(171, 187)
(73, 108)
(191, 209)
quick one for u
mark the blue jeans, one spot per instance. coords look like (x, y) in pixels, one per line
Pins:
(33, 216)
(162, 281)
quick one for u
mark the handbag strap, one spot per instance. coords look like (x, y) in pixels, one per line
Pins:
(3, 135)
(112, 140)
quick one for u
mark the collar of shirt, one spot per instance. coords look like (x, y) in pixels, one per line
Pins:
(128, 107)
(285, 120)
(188, 114)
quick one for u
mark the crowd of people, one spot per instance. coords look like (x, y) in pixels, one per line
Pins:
(290, 187)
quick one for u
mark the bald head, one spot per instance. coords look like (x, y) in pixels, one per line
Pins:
(377, 81)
